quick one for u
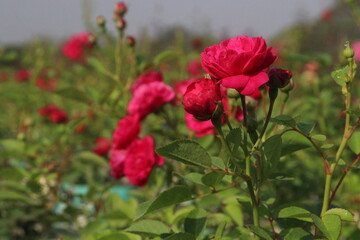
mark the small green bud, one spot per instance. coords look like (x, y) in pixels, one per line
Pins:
(348, 51)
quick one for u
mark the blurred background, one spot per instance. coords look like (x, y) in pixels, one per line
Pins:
(24, 20)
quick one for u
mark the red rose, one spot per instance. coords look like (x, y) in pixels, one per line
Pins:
(146, 78)
(202, 98)
(74, 49)
(46, 84)
(194, 68)
(117, 160)
(201, 128)
(53, 113)
(22, 75)
(80, 128)
(102, 146)
(120, 8)
(239, 63)
(140, 159)
(149, 97)
(127, 130)
(180, 89)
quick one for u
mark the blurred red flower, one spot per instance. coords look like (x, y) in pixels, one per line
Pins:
(74, 49)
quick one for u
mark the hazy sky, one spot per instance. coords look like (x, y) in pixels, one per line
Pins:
(22, 20)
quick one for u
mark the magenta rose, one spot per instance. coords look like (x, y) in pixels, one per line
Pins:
(102, 146)
(202, 98)
(140, 160)
(128, 128)
(239, 63)
(201, 128)
(75, 48)
(150, 97)
(117, 160)
(146, 78)
(194, 68)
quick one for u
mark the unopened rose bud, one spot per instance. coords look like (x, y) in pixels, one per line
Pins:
(100, 20)
(348, 51)
(120, 8)
(121, 24)
(289, 87)
(203, 99)
(279, 78)
(92, 39)
(130, 40)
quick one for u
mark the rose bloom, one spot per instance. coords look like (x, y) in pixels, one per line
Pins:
(279, 78)
(180, 89)
(194, 68)
(74, 49)
(140, 159)
(53, 113)
(117, 160)
(127, 130)
(356, 47)
(46, 84)
(102, 146)
(201, 128)
(239, 63)
(202, 98)
(22, 75)
(150, 97)
(146, 78)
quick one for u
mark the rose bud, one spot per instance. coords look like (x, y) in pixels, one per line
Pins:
(348, 51)
(92, 39)
(279, 78)
(130, 40)
(203, 99)
(120, 24)
(100, 20)
(120, 8)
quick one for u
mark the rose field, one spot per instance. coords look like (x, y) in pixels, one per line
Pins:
(183, 135)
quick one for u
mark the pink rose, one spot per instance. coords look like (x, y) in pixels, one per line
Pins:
(149, 97)
(47, 84)
(146, 78)
(201, 128)
(239, 63)
(202, 98)
(140, 160)
(127, 130)
(356, 47)
(22, 75)
(117, 160)
(194, 68)
(74, 49)
(102, 146)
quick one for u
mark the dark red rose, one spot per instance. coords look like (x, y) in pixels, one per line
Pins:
(140, 159)
(127, 130)
(102, 146)
(202, 98)
(22, 75)
(279, 78)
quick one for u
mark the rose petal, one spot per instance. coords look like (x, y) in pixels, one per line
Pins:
(238, 81)
(254, 83)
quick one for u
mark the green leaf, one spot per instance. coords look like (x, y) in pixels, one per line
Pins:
(284, 120)
(218, 162)
(8, 195)
(13, 145)
(306, 127)
(340, 75)
(186, 151)
(195, 221)
(164, 57)
(233, 210)
(354, 112)
(327, 146)
(90, 157)
(119, 235)
(319, 137)
(234, 137)
(295, 212)
(260, 232)
(212, 179)
(344, 214)
(289, 148)
(297, 234)
(73, 94)
(321, 226)
(354, 142)
(149, 228)
(194, 177)
(181, 236)
(95, 63)
(9, 173)
(333, 224)
(172, 196)
(272, 150)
